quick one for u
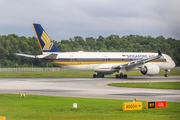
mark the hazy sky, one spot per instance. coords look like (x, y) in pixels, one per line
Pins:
(63, 19)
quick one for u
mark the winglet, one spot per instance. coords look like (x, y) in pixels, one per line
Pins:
(159, 52)
(20, 52)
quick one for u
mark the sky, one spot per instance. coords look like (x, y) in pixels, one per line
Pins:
(64, 19)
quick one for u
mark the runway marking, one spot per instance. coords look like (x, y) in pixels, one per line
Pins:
(99, 84)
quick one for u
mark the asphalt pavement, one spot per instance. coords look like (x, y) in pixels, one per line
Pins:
(91, 87)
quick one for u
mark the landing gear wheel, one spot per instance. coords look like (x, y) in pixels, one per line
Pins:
(94, 75)
(102, 75)
(166, 75)
(117, 76)
(98, 76)
(125, 76)
(121, 76)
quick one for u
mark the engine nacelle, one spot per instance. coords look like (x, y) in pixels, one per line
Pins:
(150, 69)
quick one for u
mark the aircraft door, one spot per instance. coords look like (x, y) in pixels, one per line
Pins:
(71, 58)
(105, 59)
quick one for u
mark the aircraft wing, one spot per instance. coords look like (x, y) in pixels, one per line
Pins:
(138, 62)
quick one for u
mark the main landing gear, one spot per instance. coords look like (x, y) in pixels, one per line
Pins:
(166, 75)
(99, 75)
(121, 76)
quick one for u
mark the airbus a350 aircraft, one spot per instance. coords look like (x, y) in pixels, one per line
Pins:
(103, 63)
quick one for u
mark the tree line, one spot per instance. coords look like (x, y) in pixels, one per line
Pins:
(10, 44)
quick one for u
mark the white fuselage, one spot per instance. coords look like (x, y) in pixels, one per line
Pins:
(103, 61)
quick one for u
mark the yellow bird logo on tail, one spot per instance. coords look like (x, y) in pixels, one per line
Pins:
(48, 44)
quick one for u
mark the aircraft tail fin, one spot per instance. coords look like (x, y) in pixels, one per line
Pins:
(45, 42)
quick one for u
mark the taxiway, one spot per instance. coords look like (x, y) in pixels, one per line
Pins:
(91, 88)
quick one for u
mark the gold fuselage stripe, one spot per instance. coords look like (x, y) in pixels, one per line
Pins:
(87, 62)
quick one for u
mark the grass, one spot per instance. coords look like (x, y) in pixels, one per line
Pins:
(36, 107)
(69, 74)
(46, 74)
(155, 85)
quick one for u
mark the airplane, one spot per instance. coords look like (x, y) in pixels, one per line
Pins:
(104, 63)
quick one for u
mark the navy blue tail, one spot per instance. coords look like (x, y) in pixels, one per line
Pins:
(45, 42)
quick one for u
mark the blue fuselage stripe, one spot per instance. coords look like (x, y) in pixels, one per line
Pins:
(88, 59)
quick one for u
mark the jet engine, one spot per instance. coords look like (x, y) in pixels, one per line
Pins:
(150, 69)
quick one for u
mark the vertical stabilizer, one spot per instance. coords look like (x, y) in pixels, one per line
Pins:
(45, 42)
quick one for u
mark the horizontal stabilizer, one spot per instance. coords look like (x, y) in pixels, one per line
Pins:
(48, 57)
(26, 55)
(42, 57)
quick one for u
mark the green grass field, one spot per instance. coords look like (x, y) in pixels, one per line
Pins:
(36, 107)
(155, 85)
(69, 74)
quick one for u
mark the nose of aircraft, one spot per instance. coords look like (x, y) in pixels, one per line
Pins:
(173, 64)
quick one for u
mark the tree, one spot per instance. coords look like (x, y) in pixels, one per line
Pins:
(11, 43)
(91, 43)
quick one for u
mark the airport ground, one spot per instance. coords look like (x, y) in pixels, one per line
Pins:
(96, 100)
(44, 73)
(35, 107)
(91, 88)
